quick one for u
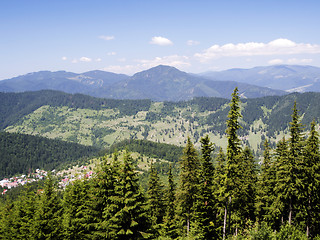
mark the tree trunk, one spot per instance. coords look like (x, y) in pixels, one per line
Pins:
(225, 222)
(290, 211)
(308, 215)
(188, 223)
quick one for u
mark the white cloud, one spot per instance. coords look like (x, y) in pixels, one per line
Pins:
(85, 59)
(161, 41)
(275, 61)
(98, 60)
(107, 38)
(64, 58)
(192, 42)
(276, 47)
(173, 60)
(111, 53)
(299, 61)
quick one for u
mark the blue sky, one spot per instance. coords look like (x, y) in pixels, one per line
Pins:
(130, 36)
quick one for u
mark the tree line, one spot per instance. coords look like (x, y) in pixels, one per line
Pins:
(229, 196)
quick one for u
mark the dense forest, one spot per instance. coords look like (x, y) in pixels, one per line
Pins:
(224, 196)
(20, 153)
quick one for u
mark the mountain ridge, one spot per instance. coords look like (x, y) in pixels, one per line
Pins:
(160, 83)
(289, 78)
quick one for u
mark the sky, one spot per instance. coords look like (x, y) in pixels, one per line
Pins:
(124, 36)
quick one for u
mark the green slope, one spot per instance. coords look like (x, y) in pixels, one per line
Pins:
(102, 122)
(21, 153)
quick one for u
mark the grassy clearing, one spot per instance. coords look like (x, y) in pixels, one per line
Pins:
(104, 127)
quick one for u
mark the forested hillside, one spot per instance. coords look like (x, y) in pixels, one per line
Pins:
(22, 154)
(102, 122)
(225, 196)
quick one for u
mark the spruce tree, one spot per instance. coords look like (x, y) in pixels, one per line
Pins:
(233, 166)
(220, 191)
(189, 180)
(75, 221)
(280, 207)
(155, 204)
(247, 189)
(129, 218)
(205, 212)
(169, 224)
(25, 211)
(102, 187)
(310, 183)
(265, 186)
(296, 164)
(48, 215)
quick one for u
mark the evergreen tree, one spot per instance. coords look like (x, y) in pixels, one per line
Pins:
(25, 211)
(170, 200)
(247, 194)
(129, 219)
(75, 206)
(233, 165)
(311, 182)
(205, 211)
(296, 163)
(280, 207)
(220, 191)
(101, 189)
(48, 215)
(155, 204)
(7, 224)
(265, 186)
(189, 180)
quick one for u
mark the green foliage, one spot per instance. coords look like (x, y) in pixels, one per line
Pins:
(155, 202)
(16, 105)
(223, 196)
(204, 209)
(152, 149)
(189, 180)
(289, 231)
(48, 215)
(169, 227)
(20, 153)
(76, 197)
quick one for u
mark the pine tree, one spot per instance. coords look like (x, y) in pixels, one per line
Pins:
(233, 166)
(265, 186)
(48, 215)
(310, 183)
(25, 211)
(155, 204)
(169, 225)
(129, 220)
(75, 202)
(101, 189)
(189, 181)
(205, 211)
(280, 207)
(220, 190)
(248, 189)
(296, 163)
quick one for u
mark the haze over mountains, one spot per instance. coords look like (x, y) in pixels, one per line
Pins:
(164, 83)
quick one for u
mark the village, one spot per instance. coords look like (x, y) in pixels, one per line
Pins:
(64, 177)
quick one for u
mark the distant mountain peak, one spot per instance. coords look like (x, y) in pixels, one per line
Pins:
(160, 70)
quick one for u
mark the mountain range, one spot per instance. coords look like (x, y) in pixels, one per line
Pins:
(165, 83)
(289, 78)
